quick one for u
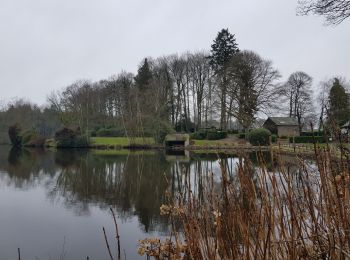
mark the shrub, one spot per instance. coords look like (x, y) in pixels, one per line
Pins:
(199, 135)
(14, 135)
(81, 141)
(259, 136)
(65, 137)
(32, 139)
(216, 135)
(274, 138)
(68, 138)
(307, 139)
(28, 136)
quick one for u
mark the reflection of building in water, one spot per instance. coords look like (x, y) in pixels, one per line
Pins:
(177, 155)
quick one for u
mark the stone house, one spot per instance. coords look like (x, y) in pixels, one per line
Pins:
(282, 126)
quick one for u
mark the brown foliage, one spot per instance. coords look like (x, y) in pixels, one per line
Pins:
(268, 214)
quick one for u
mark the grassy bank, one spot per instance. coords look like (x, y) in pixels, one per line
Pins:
(117, 143)
(121, 141)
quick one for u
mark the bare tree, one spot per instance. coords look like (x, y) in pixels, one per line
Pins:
(297, 94)
(178, 73)
(200, 72)
(335, 11)
(252, 88)
(323, 101)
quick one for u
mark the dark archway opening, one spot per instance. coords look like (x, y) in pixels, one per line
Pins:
(174, 143)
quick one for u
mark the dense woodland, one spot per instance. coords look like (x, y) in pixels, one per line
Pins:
(225, 87)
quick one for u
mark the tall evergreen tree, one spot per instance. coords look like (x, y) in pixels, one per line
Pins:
(339, 106)
(144, 76)
(222, 50)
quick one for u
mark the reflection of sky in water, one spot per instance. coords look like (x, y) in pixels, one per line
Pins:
(39, 216)
(50, 199)
(30, 221)
(211, 167)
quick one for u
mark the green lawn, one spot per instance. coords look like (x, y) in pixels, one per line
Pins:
(121, 141)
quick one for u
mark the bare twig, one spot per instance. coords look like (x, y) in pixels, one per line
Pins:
(107, 244)
(116, 232)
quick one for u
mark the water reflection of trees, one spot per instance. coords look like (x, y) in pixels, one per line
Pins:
(132, 183)
(25, 168)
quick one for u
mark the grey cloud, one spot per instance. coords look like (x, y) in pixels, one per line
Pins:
(46, 45)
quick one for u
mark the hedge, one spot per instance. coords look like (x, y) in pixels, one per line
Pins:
(110, 132)
(307, 139)
(315, 133)
(209, 135)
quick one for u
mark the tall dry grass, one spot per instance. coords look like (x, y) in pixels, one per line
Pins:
(261, 213)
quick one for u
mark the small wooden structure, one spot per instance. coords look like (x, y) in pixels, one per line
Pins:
(175, 140)
(282, 126)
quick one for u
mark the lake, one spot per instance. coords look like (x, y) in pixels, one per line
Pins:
(54, 204)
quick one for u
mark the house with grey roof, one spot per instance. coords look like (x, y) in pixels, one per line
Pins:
(282, 126)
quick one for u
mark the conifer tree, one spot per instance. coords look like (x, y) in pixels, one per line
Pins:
(339, 107)
(144, 76)
(222, 50)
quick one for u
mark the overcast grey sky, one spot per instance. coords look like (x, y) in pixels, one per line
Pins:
(48, 44)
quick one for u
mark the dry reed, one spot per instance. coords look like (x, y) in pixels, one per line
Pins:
(263, 213)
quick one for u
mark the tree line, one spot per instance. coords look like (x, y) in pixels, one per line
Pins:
(225, 87)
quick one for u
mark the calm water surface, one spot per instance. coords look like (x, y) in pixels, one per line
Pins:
(53, 205)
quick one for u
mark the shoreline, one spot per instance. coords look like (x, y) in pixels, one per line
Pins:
(305, 150)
